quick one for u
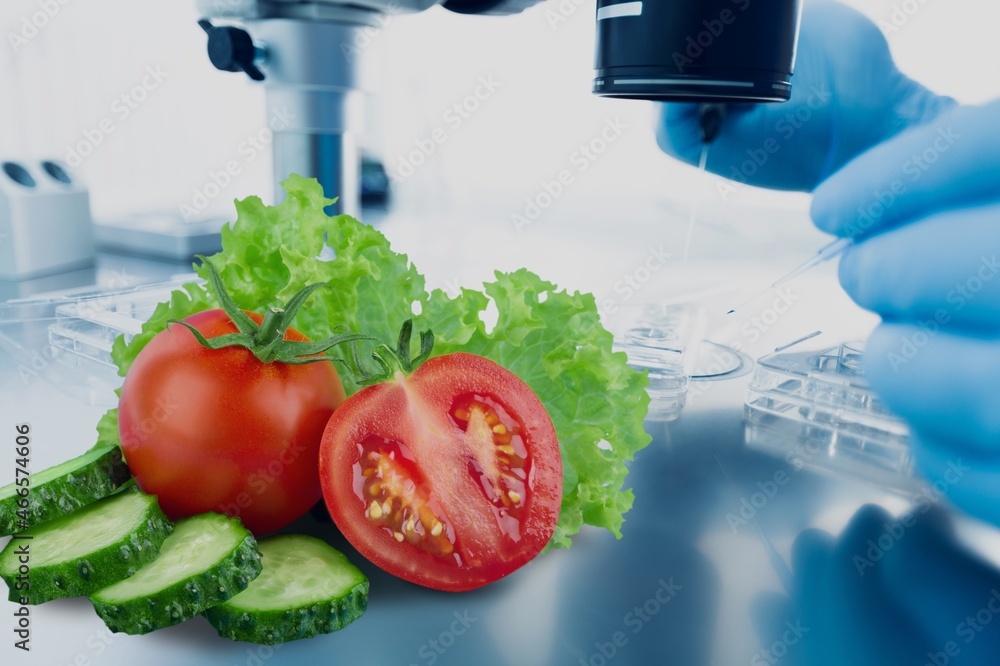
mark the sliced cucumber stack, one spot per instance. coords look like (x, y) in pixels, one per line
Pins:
(306, 588)
(62, 489)
(89, 549)
(206, 559)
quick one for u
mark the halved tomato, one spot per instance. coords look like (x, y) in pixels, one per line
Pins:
(450, 477)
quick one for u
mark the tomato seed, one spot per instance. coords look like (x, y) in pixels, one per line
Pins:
(502, 478)
(400, 506)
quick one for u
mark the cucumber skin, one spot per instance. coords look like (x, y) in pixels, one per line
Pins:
(185, 599)
(281, 626)
(62, 496)
(82, 577)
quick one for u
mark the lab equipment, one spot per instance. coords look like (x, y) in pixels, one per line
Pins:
(313, 85)
(45, 222)
(167, 234)
(65, 337)
(710, 117)
(815, 409)
(305, 55)
(667, 341)
(164, 234)
(657, 339)
(825, 254)
(848, 96)
(696, 204)
(88, 324)
(667, 50)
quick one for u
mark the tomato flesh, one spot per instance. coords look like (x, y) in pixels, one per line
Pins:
(218, 430)
(449, 478)
(389, 480)
(501, 461)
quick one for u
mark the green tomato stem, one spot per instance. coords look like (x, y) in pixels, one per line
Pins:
(270, 334)
(266, 340)
(398, 361)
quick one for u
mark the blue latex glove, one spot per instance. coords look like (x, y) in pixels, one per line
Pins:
(927, 204)
(888, 590)
(847, 96)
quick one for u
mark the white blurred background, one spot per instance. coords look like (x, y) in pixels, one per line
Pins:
(65, 79)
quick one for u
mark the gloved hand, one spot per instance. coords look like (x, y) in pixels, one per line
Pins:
(927, 206)
(888, 590)
(847, 96)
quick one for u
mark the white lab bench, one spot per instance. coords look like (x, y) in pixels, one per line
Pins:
(678, 588)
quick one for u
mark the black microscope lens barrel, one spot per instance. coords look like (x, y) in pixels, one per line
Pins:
(696, 50)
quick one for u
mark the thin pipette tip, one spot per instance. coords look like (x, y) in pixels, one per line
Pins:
(826, 253)
(834, 249)
(694, 209)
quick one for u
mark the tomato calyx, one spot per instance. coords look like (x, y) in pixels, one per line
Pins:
(395, 361)
(267, 340)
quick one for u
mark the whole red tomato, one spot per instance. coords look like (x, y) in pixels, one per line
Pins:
(219, 430)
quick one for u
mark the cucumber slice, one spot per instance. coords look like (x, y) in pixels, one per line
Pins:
(306, 588)
(87, 550)
(63, 489)
(206, 559)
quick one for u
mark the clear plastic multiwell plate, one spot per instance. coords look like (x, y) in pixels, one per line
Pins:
(64, 338)
(655, 338)
(815, 409)
(88, 326)
(666, 341)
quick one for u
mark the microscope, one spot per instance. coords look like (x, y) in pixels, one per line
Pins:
(714, 52)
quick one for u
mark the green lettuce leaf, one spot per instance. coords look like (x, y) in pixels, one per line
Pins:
(552, 339)
(107, 430)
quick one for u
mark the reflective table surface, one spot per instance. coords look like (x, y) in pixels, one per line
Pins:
(728, 557)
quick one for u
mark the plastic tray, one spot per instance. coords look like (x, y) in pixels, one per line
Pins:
(65, 338)
(656, 338)
(667, 340)
(88, 326)
(815, 409)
